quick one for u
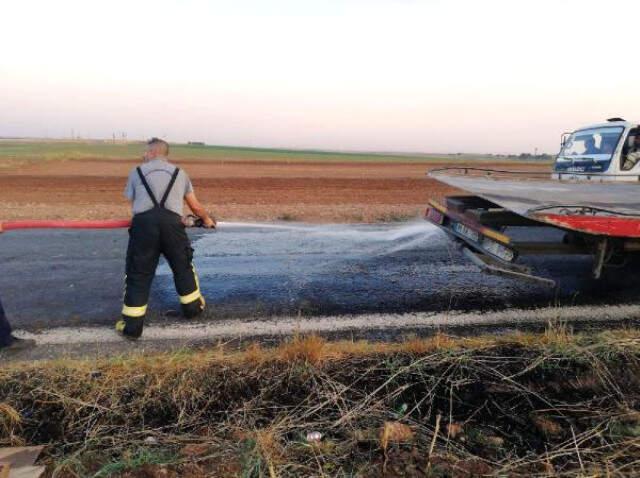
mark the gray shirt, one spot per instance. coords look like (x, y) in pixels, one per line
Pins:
(158, 174)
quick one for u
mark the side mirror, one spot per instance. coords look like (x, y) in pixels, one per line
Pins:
(563, 139)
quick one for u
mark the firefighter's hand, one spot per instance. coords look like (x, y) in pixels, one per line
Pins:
(190, 220)
(209, 223)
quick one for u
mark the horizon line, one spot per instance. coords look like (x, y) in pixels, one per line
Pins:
(265, 148)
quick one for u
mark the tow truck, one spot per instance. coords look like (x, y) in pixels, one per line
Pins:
(592, 196)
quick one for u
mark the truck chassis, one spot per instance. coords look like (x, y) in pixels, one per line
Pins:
(479, 225)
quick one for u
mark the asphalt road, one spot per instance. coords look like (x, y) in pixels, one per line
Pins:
(57, 278)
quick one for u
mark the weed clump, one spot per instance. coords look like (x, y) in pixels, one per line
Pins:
(303, 349)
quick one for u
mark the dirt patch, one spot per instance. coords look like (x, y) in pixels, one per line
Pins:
(312, 192)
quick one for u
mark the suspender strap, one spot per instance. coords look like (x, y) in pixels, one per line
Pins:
(170, 186)
(146, 186)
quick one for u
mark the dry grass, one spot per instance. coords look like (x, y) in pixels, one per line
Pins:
(395, 432)
(551, 404)
(303, 349)
(9, 420)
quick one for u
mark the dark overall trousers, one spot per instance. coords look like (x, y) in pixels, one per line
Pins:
(155, 232)
(5, 329)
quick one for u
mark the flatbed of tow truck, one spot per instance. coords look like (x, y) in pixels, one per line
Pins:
(607, 208)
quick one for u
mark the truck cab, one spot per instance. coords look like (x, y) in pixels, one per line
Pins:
(601, 152)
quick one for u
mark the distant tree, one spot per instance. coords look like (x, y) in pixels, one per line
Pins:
(529, 156)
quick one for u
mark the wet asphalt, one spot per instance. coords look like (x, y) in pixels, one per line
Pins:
(53, 278)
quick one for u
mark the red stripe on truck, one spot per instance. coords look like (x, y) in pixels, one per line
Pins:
(596, 225)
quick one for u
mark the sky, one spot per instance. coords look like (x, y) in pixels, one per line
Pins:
(492, 76)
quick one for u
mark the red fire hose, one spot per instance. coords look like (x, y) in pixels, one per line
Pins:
(189, 221)
(46, 224)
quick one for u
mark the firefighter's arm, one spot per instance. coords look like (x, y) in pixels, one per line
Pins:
(198, 210)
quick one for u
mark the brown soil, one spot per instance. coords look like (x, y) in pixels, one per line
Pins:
(312, 192)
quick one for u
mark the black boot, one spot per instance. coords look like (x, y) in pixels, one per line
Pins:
(193, 309)
(130, 328)
(17, 345)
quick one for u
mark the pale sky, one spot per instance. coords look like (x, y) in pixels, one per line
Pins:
(386, 75)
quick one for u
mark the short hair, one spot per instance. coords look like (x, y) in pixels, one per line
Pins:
(159, 143)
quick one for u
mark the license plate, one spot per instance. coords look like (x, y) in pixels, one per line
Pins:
(466, 231)
(435, 216)
(498, 250)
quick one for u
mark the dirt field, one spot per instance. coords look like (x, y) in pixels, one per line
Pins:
(248, 190)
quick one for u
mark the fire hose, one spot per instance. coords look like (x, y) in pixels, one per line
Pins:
(190, 221)
(64, 224)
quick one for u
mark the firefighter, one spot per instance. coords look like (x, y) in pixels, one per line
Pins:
(8, 342)
(157, 190)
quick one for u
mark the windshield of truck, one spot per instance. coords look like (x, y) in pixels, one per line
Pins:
(589, 150)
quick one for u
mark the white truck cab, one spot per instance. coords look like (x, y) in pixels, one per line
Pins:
(603, 152)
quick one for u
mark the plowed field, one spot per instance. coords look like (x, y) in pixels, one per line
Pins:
(274, 190)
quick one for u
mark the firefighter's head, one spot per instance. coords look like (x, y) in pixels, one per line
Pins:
(156, 148)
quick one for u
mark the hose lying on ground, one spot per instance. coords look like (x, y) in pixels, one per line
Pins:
(64, 224)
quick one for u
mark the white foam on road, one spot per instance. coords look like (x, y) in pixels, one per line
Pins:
(291, 325)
